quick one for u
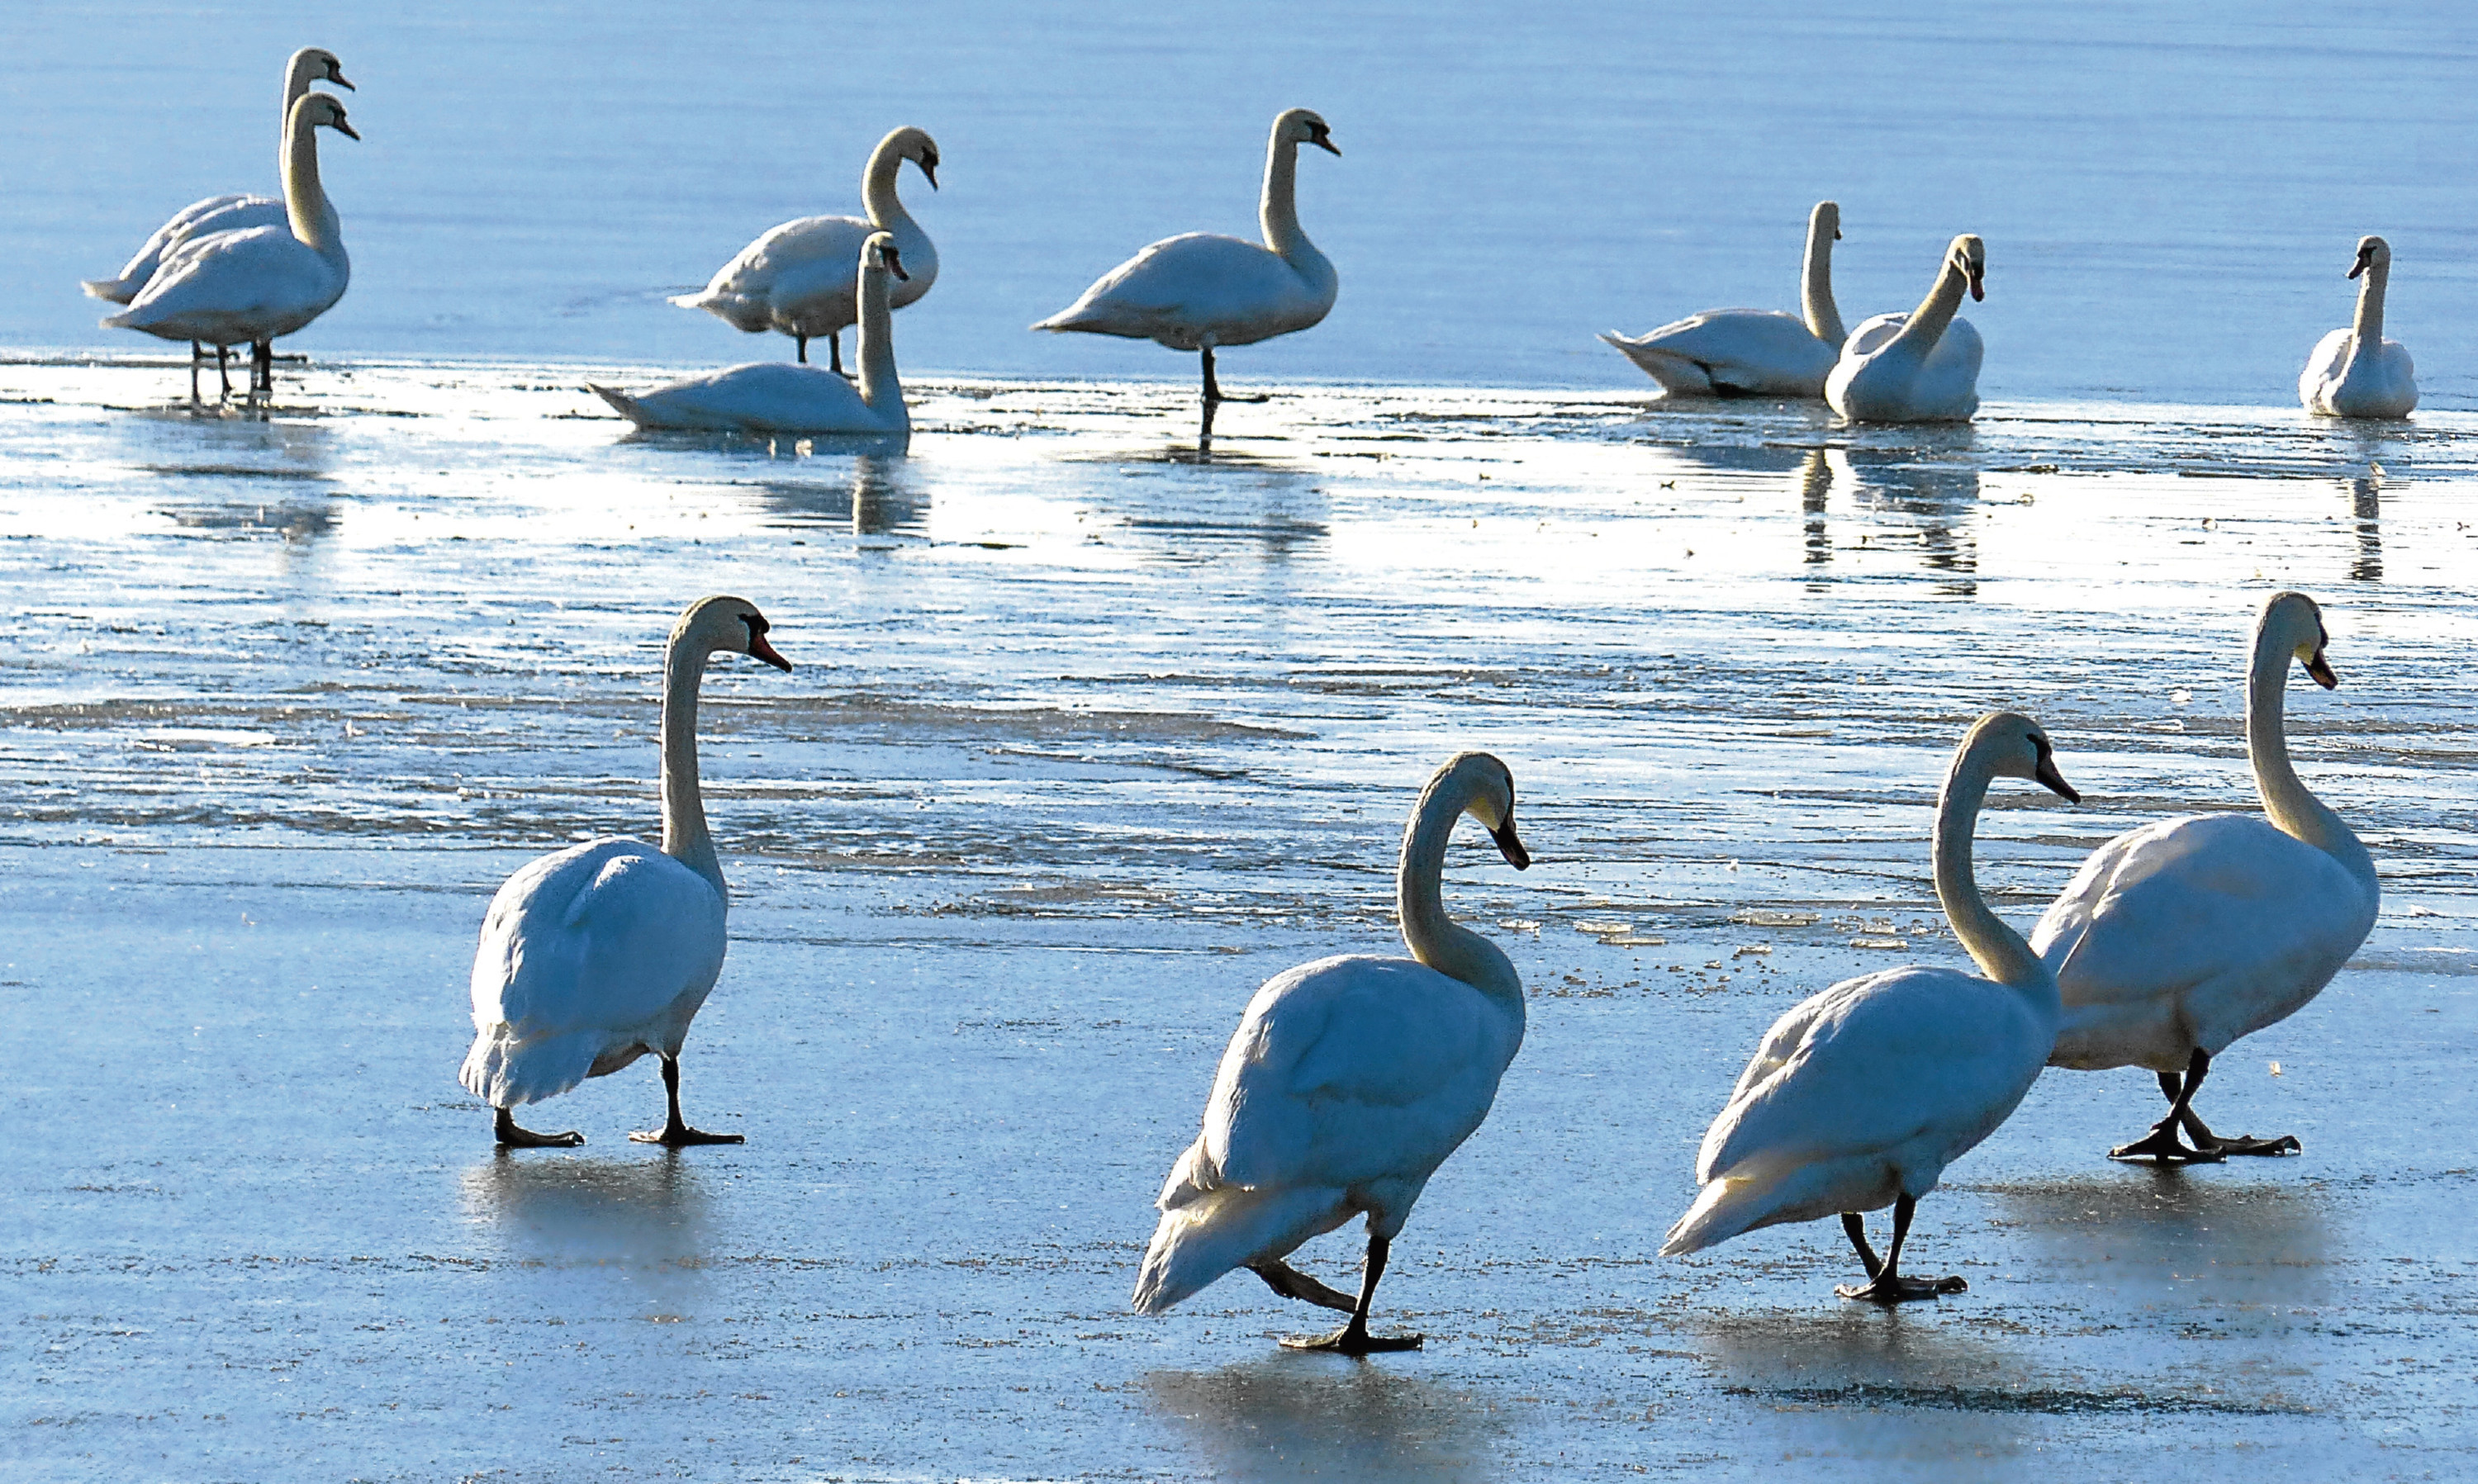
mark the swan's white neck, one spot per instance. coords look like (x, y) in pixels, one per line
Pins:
(305, 200)
(1815, 296)
(2369, 325)
(299, 74)
(877, 195)
(878, 385)
(1433, 937)
(1995, 947)
(1279, 212)
(685, 837)
(2296, 812)
(1927, 323)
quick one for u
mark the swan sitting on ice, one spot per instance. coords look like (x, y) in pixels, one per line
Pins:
(251, 285)
(2356, 372)
(771, 396)
(1350, 1081)
(1922, 366)
(599, 953)
(1200, 290)
(1859, 1096)
(2180, 936)
(1753, 352)
(797, 277)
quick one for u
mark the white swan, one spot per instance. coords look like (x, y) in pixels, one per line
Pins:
(1922, 366)
(251, 285)
(2356, 372)
(797, 278)
(596, 954)
(1350, 1081)
(2178, 938)
(1199, 290)
(1753, 352)
(774, 396)
(1859, 1096)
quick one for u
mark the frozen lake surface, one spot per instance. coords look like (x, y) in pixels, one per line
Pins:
(1086, 739)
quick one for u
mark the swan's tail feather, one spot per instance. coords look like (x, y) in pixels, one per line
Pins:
(115, 290)
(1675, 373)
(620, 402)
(507, 1073)
(126, 319)
(1723, 1209)
(1225, 1229)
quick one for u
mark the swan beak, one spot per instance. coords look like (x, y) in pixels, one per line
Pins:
(1977, 285)
(346, 129)
(759, 649)
(2358, 267)
(2320, 669)
(1511, 845)
(929, 168)
(2053, 780)
(895, 265)
(1324, 141)
(336, 75)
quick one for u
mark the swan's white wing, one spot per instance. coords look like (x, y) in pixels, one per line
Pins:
(1354, 1069)
(746, 289)
(1197, 290)
(228, 287)
(763, 396)
(605, 935)
(1751, 351)
(228, 213)
(2323, 368)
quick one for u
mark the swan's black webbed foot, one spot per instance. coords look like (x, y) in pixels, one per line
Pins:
(2247, 1143)
(2160, 1146)
(1356, 1340)
(1291, 1283)
(1892, 1288)
(679, 1136)
(504, 1128)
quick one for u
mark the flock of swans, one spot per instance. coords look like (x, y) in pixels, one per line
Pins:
(232, 270)
(1351, 1079)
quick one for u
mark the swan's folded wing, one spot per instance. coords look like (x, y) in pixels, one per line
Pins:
(609, 934)
(258, 271)
(1198, 279)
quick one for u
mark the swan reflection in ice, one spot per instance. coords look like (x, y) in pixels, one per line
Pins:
(645, 1209)
(2367, 504)
(883, 498)
(1911, 502)
(2250, 1247)
(1299, 1416)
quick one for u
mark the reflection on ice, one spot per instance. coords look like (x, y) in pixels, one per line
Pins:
(1309, 1416)
(2367, 504)
(881, 498)
(647, 1210)
(2207, 1235)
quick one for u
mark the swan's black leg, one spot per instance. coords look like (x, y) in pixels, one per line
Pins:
(262, 357)
(1291, 1283)
(1886, 1285)
(675, 1133)
(197, 353)
(511, 1136)
(2161, 1145)
(1353, 1337)
(835, 351)
(2243, 1143)
(1854, 1227)
(801, 349)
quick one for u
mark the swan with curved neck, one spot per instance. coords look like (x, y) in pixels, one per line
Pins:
(777, 397)
(797, 278)
(595, 955)
(1922, 366)
(252, 285)
(2176, 939)
(2356, 372)
(1861, 1096)
(1350, 1081)
(1200, 290)
(1753, 352)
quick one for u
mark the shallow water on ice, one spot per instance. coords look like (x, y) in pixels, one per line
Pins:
(1087, 737)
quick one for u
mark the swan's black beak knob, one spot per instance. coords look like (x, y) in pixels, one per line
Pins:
(1511, 845)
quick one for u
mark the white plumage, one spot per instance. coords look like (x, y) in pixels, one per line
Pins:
(1348, 1082)
(2176, 939)
(1753, 352)
(1920, 366)
(2356, 372)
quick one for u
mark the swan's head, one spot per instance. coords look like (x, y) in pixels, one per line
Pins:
(731, 625)
(1302, 126)
(318, 64)
(2292, 624)
(1968, 257)
(913, 144)
(1825, 221)
(1487, 786)
(323, 108)
(2015, 746)
(2373, 252)
(879, 255)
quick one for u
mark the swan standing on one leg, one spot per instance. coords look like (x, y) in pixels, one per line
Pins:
(2356, 372)
(1753, 352)
(251, 285)
(797, 277)
(1922, 366)
(1201, 289)
(771, 396)
(2176, 939)
(1859, 1096)
(597, 954)
(1350, 1081)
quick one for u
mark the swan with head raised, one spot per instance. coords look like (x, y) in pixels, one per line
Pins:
(2176, 939)
(1350, 1081)
(774, 396)
(2356, 372)
(1861, 1097)
(797, 278)
(595, 955)
(1922, 366)
(1753, 352)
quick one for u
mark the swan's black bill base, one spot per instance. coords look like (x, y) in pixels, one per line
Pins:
(1884, 1284)
(675, 1133)
(504, 1128)
(1291, 1283)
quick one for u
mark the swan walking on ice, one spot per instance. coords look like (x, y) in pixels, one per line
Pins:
(2356, 372)
(229, 213)
(2176, 939)
(1861, 1097)
(1753, 352)
(1922, 366)
(248, 287)
(797, 278)
(771, 396)
(1350, 1081)
(1200, 290)
(596, 954)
